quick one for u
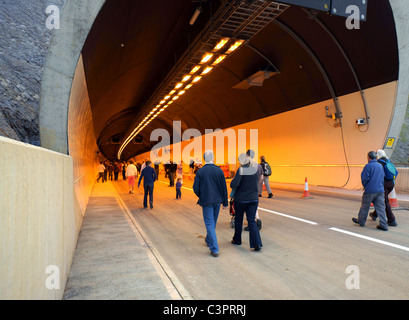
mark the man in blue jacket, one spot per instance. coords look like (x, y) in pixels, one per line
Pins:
(372, 178)
(149, 177)
(210, 187)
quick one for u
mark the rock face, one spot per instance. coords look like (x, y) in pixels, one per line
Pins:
(401, 153)
(24, 43)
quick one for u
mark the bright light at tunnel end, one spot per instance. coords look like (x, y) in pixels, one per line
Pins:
(196, 143)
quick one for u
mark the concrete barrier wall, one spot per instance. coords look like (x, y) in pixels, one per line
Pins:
(402, 181)
(39, 221)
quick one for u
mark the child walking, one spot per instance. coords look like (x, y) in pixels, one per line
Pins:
(178, 189)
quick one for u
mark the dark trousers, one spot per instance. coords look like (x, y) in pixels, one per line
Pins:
(178, 194)
(148, 190)
(250, 208)
(171, 178)
(101, 175)
(379, 203)
(388, 187)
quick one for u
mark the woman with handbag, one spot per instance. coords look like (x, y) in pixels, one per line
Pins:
(245, 183)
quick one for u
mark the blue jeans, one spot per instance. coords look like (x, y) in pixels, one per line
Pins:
(210, 215)
(250, 208)
(148, 190)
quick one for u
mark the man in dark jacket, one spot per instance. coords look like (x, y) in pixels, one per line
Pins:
(372, 178)
(149, 177)
(210, 186)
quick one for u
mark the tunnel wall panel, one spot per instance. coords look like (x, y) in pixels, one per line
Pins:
(305, 143)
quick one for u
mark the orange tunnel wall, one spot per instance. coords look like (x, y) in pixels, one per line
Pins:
(304, 142)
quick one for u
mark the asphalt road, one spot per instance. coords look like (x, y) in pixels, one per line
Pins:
(311, 248)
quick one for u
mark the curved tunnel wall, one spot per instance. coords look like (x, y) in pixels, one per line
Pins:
(304, 142)
(77, 19)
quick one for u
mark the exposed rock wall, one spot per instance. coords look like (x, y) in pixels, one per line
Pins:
(24, 41)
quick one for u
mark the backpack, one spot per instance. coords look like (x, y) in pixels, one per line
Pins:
(266, 169)
(390, 170)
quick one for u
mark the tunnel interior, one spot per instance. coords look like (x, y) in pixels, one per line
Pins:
(133, 45)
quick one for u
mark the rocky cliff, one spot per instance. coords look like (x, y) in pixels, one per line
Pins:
(24, 41)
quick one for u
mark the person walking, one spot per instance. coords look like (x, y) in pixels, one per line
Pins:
(117, 169)
(260, 173)
(245, 183)
(372, 178)
(101, 169)
(210, 187)
(179, 189)
(149, 177)
(131, 174)
(172, 172)
(265, 178)
(179, 171)
(124, 170)
(388, 185)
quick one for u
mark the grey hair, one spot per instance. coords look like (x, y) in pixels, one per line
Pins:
(208, 156)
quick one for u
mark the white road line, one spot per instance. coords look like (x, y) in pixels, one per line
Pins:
(288, 216)
(357, 235)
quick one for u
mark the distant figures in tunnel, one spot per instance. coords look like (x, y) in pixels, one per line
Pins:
(210, 187)
(101, 169)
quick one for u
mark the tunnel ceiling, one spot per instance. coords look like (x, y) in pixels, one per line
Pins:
(134, 44)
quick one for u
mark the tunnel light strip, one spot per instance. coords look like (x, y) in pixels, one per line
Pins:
(207, 62)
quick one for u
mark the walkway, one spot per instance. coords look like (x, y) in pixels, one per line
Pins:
(112, 259)
(127, 252)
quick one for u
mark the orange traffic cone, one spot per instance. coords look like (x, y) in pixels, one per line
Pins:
(306, 194)
(393, 200)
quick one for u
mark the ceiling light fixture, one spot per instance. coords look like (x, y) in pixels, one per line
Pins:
(196, 14)
(217, 41)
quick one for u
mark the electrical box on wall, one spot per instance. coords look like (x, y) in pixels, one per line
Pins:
(360, 122)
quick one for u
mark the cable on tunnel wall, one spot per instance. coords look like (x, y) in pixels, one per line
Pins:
(314, 17)
(328, 82)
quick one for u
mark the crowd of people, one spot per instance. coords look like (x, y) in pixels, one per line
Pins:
(377, 177)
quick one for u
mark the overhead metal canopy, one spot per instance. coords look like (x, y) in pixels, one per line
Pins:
(336, 7)
(129, 60)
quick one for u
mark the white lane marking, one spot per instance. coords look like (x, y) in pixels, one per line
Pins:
(357, 235)
(288, 216)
